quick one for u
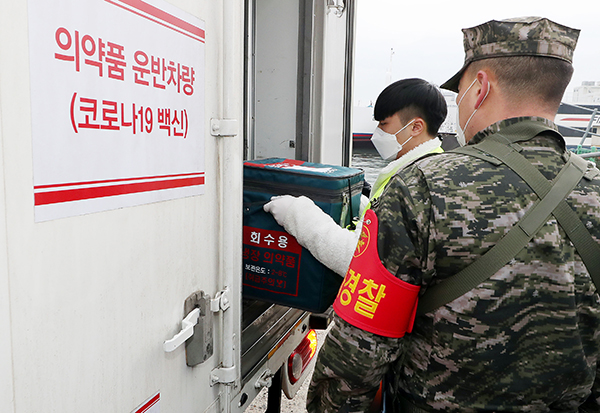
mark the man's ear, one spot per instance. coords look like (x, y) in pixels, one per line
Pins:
(418, 126)
(483, 88)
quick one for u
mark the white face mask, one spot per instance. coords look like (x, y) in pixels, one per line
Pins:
(460, 132)
(386, 144)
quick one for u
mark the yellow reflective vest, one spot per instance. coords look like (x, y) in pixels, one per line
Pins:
(431, 146)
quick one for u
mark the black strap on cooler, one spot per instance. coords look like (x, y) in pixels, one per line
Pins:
(352, 225)
(503, 148)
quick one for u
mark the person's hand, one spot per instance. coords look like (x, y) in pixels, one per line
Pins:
(279, 207)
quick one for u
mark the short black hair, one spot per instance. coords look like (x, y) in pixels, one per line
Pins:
(414, 97)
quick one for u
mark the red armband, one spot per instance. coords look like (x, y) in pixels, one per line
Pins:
(370, 297)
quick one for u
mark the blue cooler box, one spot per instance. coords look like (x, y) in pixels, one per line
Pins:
(276, 268)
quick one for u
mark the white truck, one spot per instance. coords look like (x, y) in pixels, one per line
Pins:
(124, 125)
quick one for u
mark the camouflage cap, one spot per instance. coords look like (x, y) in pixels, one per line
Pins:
(521, 36)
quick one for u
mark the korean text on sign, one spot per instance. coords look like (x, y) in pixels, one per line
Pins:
(92, 113)
(108, 59)
(271, 260)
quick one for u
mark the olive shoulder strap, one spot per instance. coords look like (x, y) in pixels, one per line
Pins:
(504, 148)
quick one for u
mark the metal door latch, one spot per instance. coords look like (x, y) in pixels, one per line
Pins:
(221, 301)
(265, 379)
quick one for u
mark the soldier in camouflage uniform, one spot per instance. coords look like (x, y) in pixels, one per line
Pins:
(527, 338)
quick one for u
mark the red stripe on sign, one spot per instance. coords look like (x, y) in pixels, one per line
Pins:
(162, 16)
(575, 119)
(149, 404)
(108, 181)
(69, 195)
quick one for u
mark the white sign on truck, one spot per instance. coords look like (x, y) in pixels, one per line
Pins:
(116, 89)
(124, 127)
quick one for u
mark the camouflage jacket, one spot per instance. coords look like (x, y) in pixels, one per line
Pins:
(528, 339)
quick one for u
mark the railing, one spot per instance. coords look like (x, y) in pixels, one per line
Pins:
(590, 155)
(590, 123)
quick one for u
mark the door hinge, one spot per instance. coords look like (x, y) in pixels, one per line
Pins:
(223, 127)
(223, 375)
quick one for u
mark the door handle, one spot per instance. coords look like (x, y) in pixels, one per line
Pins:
(187, 330)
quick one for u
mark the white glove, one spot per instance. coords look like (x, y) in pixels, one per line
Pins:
(316, 231)
(279, 206)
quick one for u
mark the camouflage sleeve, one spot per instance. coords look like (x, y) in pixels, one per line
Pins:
(404, 215)
(352, 361)
(350, 366)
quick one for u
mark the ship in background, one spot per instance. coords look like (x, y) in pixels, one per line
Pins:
(578, 122)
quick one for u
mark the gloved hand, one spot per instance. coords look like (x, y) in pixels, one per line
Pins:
(315, 230)
(279, 207)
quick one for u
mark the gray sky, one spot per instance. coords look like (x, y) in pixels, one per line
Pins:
(427, 40)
